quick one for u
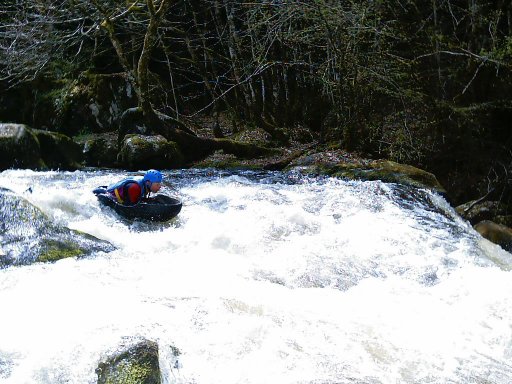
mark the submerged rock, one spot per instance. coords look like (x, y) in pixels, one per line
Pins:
(137, 365)
(27, 235)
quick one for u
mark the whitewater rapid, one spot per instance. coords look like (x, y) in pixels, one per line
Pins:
(262, 278)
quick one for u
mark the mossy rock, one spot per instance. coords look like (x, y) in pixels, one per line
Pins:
(99, 150)
(343, 165)
(221, 160)
(27, 235)
(54, 250)
(137, 365)
(19, 147)
(92, 102)
(391, 172)
(58, 150)
(142, 152)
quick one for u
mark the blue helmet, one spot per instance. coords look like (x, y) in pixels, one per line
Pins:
(153, 176)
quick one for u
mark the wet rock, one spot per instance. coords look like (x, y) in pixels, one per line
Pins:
(339, 164)
(391, 172)
(27, 235)
(496, 233)
(137, 365)
(100, 150)
(142, 152)
(59, 151)
(19, 147)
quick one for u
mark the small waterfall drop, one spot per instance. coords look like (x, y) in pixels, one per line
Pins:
(262, 278)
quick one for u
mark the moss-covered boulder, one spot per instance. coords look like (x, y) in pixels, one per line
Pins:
(92, 103)
(344, 165)
(59, 151)
(392, 172)
(99, 150)
(221, 160)
(137, 365)
(142, 152)
(27, 235)
(19, 147)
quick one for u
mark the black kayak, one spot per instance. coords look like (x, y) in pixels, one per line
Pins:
(157, 208)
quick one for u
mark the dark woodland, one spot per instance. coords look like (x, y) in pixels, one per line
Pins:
(425, 83)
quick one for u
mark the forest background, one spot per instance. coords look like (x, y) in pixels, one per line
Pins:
(425, 83)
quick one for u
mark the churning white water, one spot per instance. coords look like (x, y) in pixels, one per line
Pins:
(262, 278)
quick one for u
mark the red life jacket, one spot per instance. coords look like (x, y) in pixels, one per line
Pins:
(120, 190)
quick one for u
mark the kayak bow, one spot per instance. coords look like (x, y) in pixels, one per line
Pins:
(157, 208)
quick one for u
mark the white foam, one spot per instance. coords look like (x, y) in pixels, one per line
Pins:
(259, 283)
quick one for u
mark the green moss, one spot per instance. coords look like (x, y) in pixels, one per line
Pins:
(141, 144)
(221, 160)
(84, 136)
(58, 94)
(130, 373)
(139, 365)
(55, 250)
(389, 172)
(362, 169)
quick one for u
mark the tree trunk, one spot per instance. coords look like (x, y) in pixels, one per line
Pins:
(233, 49)
(193, 147)
(149, 43)
(123, 58)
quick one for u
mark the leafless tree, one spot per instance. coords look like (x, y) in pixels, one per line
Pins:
(377, 76)
(36, 35)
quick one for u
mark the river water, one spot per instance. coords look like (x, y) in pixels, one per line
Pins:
(262, 278)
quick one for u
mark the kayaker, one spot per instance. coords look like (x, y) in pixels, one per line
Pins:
(132, 190)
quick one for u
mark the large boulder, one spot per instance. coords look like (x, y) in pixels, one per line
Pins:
(340, 164)
(137, 365)
(19, 147)
(59, 151)
(100, 150)
(142, 152)
(89, 102)
(392, 172)
(92, 103)
(496, 233)
(27, 235)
